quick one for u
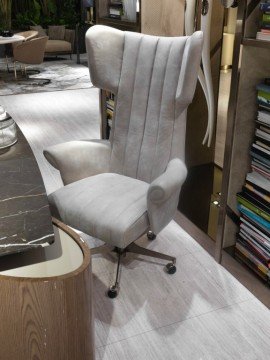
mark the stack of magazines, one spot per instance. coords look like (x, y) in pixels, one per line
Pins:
(264, 33)
(253, 239)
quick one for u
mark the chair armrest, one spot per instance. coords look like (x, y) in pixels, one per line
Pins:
(163, 195)
(77, 160)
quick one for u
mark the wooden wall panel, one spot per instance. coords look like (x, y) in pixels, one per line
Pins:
(162, 17)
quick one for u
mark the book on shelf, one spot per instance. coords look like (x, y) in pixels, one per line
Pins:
(265, 6)
(261, 133)
(256, 195)
(264, 269)
(244, 256)
(264, 116)
(259, 164)
(253, 205)
(261, 150)
(262, 232)
(263, 95)
(265, 144)
(254, 248)
(266, 18)
(258, 169)
(261, 35)
(259, 158)
(259, 180)
(265, 129)
(260, 242)
(251, 215)
(264, 31)
(116, 9)
(261, 228)
(257, 191)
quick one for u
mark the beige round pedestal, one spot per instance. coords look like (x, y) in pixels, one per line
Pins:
(46, 302)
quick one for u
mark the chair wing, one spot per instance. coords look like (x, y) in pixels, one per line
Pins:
(190, 66)
(105, 47)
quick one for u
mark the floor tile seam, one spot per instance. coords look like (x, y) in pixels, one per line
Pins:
(174, 323)
(211, 274)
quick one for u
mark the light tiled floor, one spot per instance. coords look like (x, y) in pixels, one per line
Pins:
(200, 312)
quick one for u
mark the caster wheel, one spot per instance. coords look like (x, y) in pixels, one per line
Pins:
(112, 292)
(151, 235)
(171, 268)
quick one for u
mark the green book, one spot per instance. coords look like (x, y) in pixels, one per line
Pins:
(264, 94)
(253, 208)
(266, 18)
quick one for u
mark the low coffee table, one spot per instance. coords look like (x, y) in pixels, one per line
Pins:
(11, 39)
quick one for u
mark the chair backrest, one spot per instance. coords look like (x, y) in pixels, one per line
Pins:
(153, 79)
(28, 35)
(31, 52)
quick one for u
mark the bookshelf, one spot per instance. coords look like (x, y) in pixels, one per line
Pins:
(256, 43)
(250, 68)
(128, 20)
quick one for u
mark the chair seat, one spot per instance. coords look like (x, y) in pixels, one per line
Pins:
(57, 46)
(110, 207)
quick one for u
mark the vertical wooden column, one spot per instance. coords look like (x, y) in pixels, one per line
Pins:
(196, 193)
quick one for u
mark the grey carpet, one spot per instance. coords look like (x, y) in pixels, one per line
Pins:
(64, 75)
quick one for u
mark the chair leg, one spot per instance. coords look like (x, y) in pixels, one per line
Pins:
(7, 64)
(103, 249)
(15, 70)
(136, 249)
(113, 290)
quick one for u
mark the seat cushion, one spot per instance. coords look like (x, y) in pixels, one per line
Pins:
(108, 206)
(54, 46)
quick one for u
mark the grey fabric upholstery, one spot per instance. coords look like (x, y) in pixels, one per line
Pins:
(77, 160)
(108, 206)
(163, 195)
(154, 80)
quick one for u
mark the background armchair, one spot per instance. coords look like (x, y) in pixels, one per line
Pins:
(28, 35)
(135, 187)
(29, 52)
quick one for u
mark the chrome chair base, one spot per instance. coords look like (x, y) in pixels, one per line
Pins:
(135, 249)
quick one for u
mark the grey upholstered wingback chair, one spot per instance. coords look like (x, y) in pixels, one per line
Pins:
(119, 189)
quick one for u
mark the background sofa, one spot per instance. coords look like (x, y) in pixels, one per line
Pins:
(60, 42)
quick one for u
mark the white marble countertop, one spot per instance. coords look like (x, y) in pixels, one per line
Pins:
(12, 39)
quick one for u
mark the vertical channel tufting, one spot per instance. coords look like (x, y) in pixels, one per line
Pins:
(167, 113)
(148, 147)
(125, 100)
(143, 134)
(142, 85)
